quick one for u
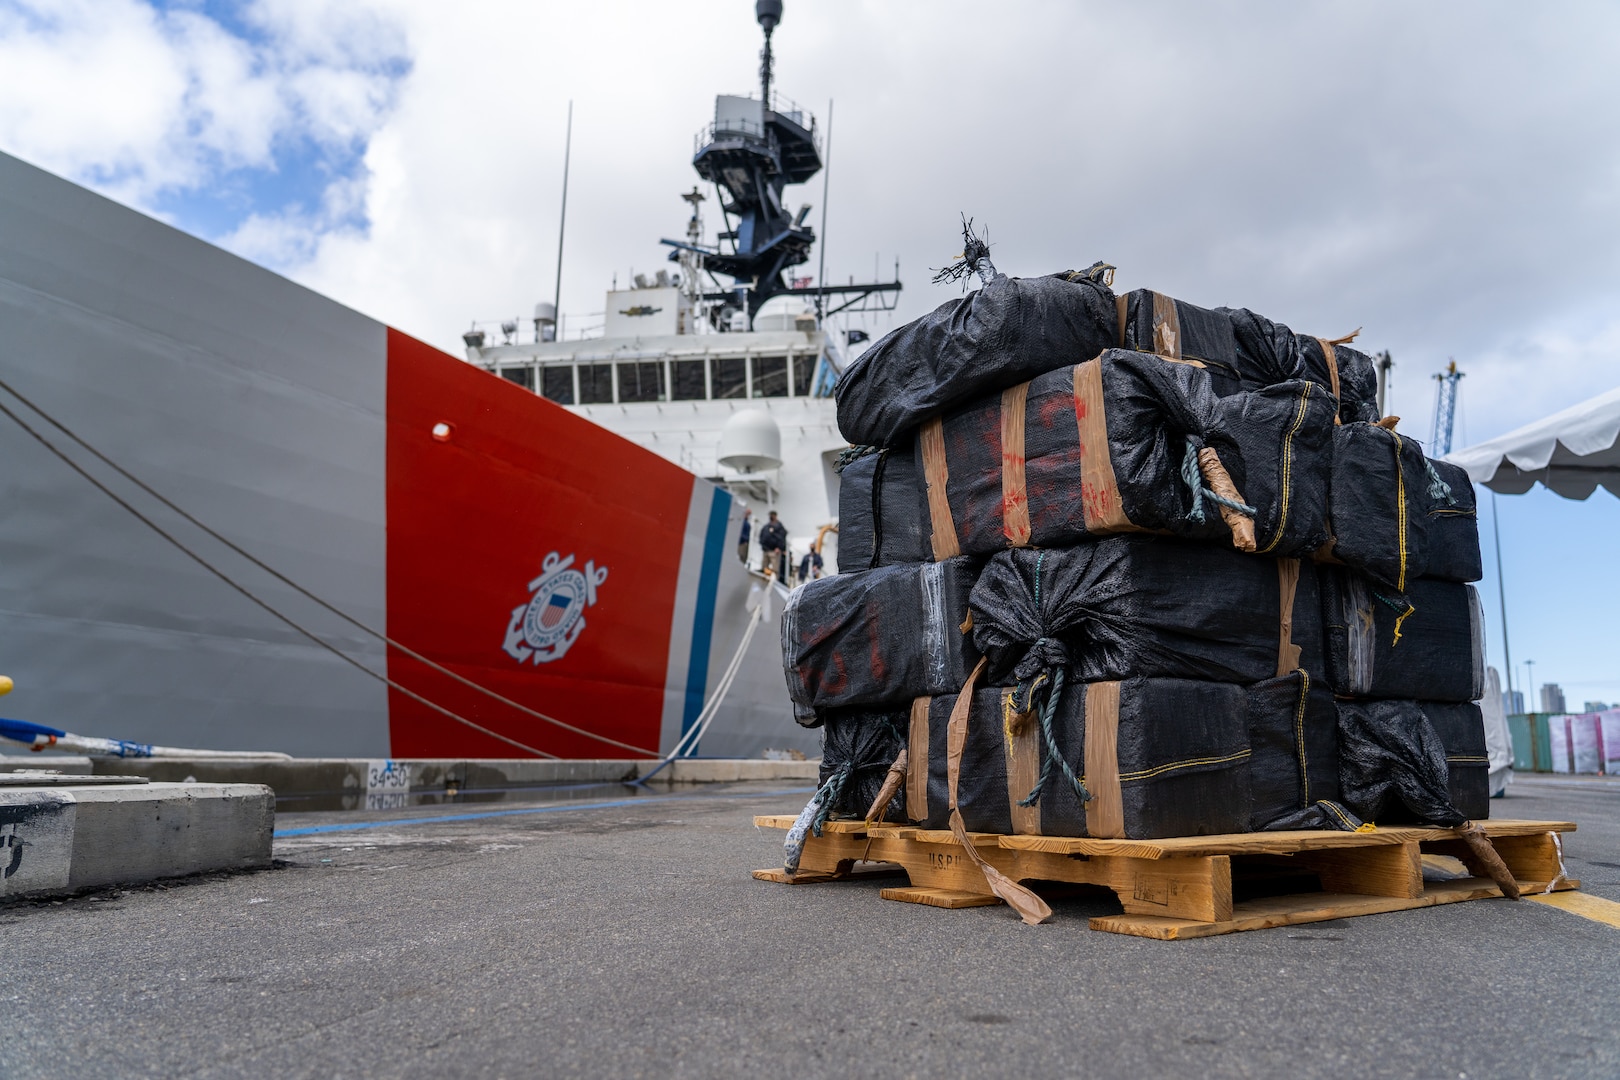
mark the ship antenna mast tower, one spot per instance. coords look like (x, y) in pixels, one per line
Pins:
(1445, 407)
(750, 153)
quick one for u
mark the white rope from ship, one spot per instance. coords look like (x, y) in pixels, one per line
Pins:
(688, 742)
(378, 635)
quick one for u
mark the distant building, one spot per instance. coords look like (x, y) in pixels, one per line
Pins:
(1513, 702)
(1552, 698)
(1597, 706)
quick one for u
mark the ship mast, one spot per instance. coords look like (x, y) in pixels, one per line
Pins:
(750, 153)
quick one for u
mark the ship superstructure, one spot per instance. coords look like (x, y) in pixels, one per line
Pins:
(701, 371)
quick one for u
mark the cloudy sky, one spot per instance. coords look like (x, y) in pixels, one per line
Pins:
(1445, 175)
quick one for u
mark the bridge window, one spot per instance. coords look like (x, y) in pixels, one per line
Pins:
(523, 376)
(596, 384)
(804, 370)
(557, 384)
(689, 381)
(770, 376)
(730, 376)
(641, 381)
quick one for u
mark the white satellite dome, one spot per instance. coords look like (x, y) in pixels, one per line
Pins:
(751, 442)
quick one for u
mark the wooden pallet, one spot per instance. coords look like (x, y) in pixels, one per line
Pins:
(1183, 887)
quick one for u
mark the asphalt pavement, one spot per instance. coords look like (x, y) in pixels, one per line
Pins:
(625, 938)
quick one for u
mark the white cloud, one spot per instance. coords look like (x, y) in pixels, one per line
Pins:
(142, 103)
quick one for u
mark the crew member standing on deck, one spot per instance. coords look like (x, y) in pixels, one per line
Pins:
(742, 539)
(773, 543)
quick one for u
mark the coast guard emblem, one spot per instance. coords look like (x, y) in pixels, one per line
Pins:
(546, 627)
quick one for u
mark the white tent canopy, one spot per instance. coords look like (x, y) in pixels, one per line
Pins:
(1573, 452)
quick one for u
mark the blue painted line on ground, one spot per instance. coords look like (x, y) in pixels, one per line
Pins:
(394, 823)
(697, 664)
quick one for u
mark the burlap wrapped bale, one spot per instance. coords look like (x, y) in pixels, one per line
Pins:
(863, 744)
(1428, 642)
(1128, 443)
(1243, 350)
(1453, 526)
(878, 636)
(1395, 767)
(1461, 727)
(1294, 759)
(882, 515)
(1146, 605)
(1005, 333)
(1159, 757)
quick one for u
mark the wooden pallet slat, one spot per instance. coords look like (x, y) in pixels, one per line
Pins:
(1183, 887)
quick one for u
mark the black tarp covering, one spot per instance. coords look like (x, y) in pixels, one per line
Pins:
(1005, 333)
(1439, 655)
(866, 743)
(1294, 759)
(1243, 350)
(1141, 605)
(1182, 761)
(1282, 436)
(880, 636)
(1378, 504)
(1393, 766)
(881, 506)
(1358, 378)
(1461, 727)
(1275, 443)
(1453, 527)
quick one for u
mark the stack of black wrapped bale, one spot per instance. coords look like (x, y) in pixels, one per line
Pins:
(1118, 566)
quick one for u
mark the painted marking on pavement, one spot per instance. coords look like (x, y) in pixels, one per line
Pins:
(1585, 905)
(312, 830)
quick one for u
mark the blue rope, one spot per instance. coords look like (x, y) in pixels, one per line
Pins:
(1195, 484)
(1054, 757)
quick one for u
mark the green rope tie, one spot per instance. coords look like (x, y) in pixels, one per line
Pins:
(1195, 484)
(1439, 490)
(1053, 755)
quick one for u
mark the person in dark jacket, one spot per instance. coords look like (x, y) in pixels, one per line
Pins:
(742, 540)
(773, 546)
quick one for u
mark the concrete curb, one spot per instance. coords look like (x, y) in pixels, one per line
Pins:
(66, 837)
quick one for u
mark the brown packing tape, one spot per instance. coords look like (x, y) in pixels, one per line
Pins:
(1333, 365)
(1122, 306)
(1220, 482)
(935, 473)
(1166, 327)
(1014, 493)
(1031, 908)
(1023, 765)
(1288, 588)
(917, 761)
(891, 784)
(1105, 813)
(1099, 488)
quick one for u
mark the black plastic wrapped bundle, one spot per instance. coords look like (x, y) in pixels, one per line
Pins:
(1146, 605)
(1125, 443)
(1179, 765)
(1294, 759)
(1243, 350)
(1171, 328)
(878, 636)
(1453, 526)
(1348, 372)
(1461, 727)
(1395, 762)
(1428, 643)
(1378, 504)
(862, 744)
(1005, 333)
(882, 515)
